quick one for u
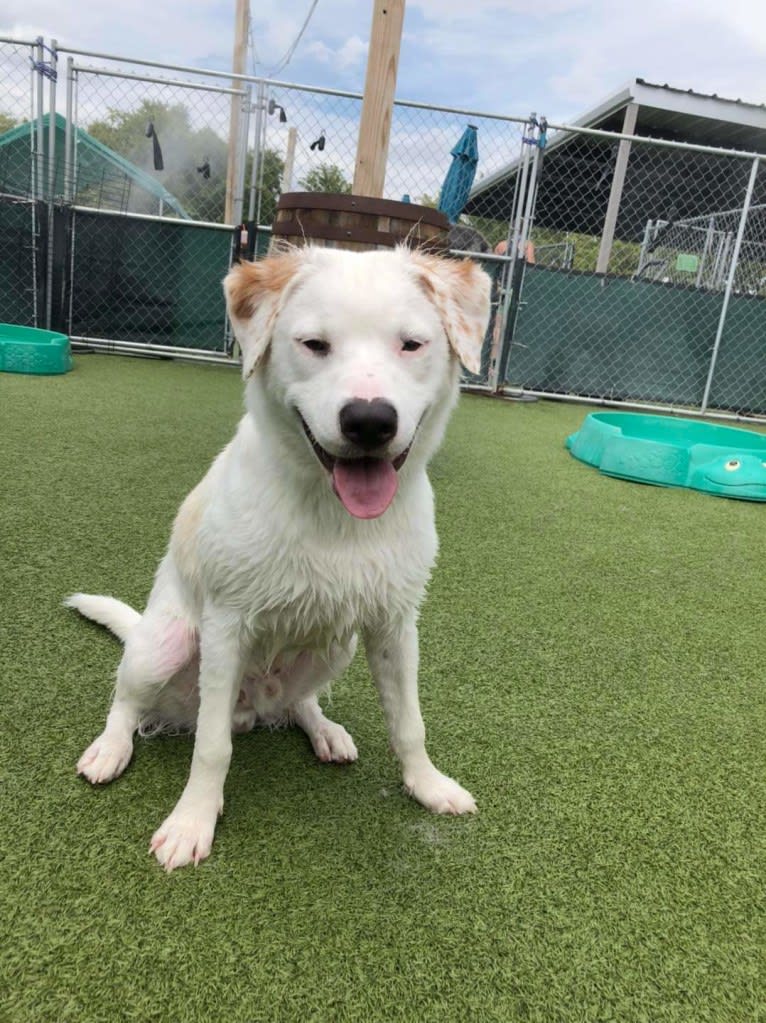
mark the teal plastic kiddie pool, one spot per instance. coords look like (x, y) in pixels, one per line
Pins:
(668, 452)
(29, 350)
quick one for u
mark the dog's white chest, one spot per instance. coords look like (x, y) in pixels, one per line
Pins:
(308, 599)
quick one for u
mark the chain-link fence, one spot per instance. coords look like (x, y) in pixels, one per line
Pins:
(135, 143)
(625, 270)
(147, 284)
(309, 138)
(655, 295)
(22, 256)
(700, 249)
(153, 168)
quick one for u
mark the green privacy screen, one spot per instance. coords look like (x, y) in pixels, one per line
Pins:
(149, 282)
(21, 261)
(637, 340)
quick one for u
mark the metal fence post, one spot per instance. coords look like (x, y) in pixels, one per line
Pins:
(261, 165)
(260, 106)
(730, 281)
(51, 183)
(238, 199)
(508, 276)
(522, 192)
(705, 252)
(68, 130)
(40, 147)
(527, 196)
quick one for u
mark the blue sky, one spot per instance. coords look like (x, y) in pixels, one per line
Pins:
(558, 57)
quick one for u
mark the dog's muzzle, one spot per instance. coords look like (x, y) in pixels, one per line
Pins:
(365, 485)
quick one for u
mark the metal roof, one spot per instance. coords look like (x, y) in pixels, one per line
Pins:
(578, 167)
(683, 115)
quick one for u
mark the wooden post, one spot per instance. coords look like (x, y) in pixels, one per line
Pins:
(241, 23)
(377, 106)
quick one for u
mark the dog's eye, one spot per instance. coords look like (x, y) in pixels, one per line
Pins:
(317, 346)
(732, 465)
(411, 345)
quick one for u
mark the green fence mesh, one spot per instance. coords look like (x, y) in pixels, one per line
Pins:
(620, 339)
(149, 282)
(20, 261)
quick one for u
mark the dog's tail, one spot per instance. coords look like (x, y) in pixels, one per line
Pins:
(106, 611)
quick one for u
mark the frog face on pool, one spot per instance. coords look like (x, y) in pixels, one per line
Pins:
(738, 474)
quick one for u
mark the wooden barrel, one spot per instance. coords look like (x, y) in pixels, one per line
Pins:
(356, 222)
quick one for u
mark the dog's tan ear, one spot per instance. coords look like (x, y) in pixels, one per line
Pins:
(460, 290)
(254, 295)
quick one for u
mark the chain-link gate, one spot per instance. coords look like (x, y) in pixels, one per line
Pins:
(144, 173)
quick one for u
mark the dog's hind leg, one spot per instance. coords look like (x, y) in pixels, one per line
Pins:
(330, 741)
(155, 650)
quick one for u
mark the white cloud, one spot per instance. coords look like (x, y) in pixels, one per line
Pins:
(351, 54)
(699, 45)
(505, 56)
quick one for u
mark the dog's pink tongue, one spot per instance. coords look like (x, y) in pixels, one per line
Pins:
(366, 486)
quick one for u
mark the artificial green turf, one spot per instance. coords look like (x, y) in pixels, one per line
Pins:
(593, 668)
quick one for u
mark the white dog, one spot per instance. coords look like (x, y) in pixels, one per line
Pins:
(315, 523)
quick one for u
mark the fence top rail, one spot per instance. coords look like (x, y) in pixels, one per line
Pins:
(208, 72)
(18, 42)
(574, 129)
(156, 219)
(139, 347)
(460, 110)
(318, 89)
(17, 200)
(409, 103)
(107, 72)
(705, 218)
(482, 257)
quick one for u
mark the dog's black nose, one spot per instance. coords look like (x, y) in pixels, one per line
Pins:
(368, 424)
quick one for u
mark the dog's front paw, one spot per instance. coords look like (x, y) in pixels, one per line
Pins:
(438, 793)
(186, 836)
(333, 744)
(105, 759)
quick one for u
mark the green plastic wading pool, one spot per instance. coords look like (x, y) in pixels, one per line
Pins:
(29, 350)
(669, 452)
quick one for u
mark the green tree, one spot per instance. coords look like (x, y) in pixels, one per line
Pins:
(327, 177)
(273, 167)
(6, 123)
(184, 149)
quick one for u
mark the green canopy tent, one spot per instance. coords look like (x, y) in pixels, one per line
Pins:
(104, 179)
